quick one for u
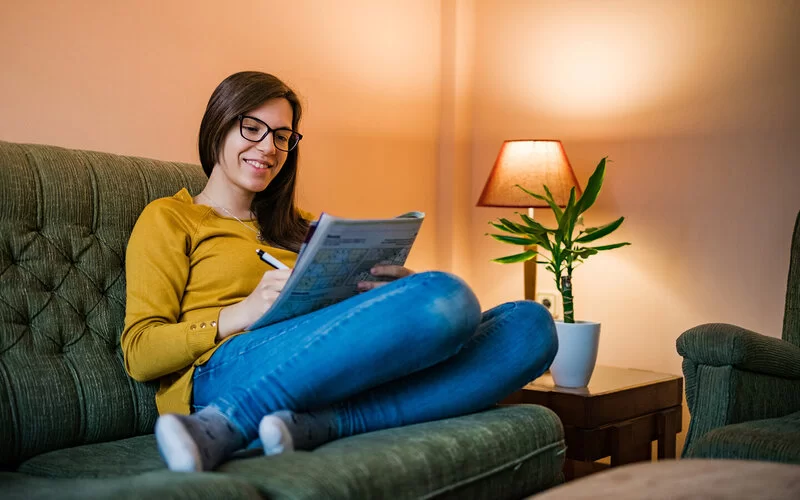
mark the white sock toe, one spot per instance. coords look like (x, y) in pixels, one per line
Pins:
(176, 446)
(275, 436)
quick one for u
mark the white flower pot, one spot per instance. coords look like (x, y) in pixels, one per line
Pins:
(577, 353)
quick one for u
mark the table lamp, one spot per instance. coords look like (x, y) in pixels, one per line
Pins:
(531, 164)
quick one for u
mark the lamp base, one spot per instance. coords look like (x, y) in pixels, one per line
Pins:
(530, 276)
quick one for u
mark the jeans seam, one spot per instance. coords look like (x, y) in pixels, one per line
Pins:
(501, 319)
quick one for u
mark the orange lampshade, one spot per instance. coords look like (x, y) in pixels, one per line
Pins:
(531, 164)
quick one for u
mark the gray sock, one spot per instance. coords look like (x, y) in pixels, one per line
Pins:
(196, 442)
(287, 431)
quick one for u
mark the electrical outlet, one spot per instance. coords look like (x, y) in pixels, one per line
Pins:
(550, 301)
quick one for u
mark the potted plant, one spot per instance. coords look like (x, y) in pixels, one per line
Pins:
(578, 341)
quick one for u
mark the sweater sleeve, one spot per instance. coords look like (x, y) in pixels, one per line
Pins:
(154, 342)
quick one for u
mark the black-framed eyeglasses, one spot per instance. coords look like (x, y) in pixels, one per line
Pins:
(254, 130)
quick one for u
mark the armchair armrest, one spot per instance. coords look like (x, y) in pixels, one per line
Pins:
(719, 344)
(734, 375)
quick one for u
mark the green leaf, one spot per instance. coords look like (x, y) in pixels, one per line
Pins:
(550, 201)
(513, 239)
(537, 196)
(598, 232)
(535, 225)
(520, 257)
(572, 218)
(557, 209)
(583, 253)
(509, 228)
(536, 231)
(512, 227)
(565, 224)
(501, 227)
(592, 187)
(538, 238)
(610, 247)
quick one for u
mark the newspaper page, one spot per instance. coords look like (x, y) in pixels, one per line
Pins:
(337, 254)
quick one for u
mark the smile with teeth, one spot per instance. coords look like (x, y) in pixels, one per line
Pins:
(257, 164)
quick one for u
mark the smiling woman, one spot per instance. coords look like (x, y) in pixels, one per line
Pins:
(392, 355)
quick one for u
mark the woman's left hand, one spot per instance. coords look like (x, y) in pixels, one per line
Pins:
(390, 272)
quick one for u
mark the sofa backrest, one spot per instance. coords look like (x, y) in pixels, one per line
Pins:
(791, 315)
(65, 219)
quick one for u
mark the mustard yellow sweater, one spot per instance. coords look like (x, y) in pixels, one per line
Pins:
(184, 263)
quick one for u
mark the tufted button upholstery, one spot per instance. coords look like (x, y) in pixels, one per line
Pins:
(65, 219)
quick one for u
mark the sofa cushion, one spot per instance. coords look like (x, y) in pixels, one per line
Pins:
(503, 453)
(160, 485)
(65, 219)
(772, 439)
(124, 457)
(506, 452)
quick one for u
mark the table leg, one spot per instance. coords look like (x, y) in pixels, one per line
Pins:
(667, 432)
(625, 448)
(569, 470)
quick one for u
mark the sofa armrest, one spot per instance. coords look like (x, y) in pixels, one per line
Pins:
(719, 344)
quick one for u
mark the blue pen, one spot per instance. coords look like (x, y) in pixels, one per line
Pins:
(269, 259)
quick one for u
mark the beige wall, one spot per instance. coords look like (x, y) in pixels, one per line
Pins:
(407, 103)
(454, 231)
(134, 78)
(697, 105)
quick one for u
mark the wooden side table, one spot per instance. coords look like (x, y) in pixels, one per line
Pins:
(618, 415)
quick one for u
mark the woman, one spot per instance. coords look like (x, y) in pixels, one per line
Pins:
(411, 348)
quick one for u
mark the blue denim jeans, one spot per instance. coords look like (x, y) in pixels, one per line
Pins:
(414, 350)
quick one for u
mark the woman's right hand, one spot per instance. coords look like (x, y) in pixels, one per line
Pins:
(239, 317)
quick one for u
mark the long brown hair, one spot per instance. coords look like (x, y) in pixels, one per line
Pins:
(278, 218)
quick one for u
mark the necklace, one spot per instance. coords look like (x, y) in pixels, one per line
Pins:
(214, 204)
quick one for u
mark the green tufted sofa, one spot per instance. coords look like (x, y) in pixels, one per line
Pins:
(74, 425)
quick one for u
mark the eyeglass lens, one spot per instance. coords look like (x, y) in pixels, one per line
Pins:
(255, 131)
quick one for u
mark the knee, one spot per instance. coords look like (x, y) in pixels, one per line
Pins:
(537, 330)
(449, 307)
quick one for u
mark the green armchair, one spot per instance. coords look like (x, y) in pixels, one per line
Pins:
(742, 388)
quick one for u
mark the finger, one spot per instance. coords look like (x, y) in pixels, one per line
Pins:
(391, 271)
(275, 281)
(278, 275)
(269, 296)
(274, 287)
(364, 286)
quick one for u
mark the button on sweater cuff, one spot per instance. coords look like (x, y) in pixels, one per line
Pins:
(201, 334)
